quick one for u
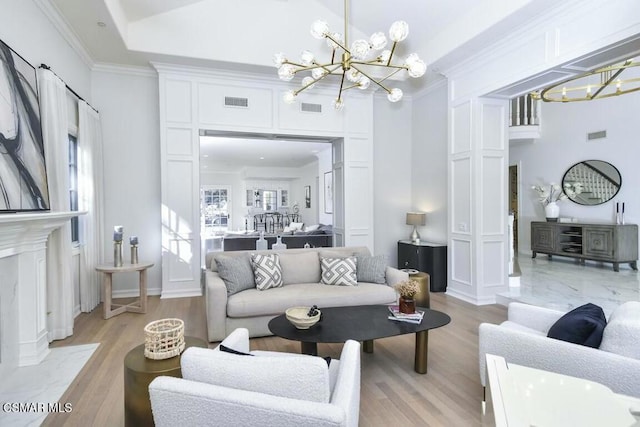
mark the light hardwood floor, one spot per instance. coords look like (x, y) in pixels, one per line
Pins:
(392, 393)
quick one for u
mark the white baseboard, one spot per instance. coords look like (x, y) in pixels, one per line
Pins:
(131, 293)
(470, 298)
(514, 281)
(182, 293)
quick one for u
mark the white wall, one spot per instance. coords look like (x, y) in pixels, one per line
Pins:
(27, 30)
(564, 142)
(308, 176)
(429, 163)
(324, 166)
(128, 105)
(392, 145)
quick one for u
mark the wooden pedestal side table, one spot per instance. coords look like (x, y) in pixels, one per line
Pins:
(139, 306)
(138, 374)
(422, 298)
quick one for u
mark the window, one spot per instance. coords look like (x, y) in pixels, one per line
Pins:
(73, 187)
(269, 200)
(215, 208)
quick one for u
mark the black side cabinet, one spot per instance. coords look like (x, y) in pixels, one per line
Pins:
(428, 257)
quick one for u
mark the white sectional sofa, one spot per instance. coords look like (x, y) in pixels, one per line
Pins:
(253, 309)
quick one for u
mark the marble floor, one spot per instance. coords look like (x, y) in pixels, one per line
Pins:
(563, 284)
(42, 384)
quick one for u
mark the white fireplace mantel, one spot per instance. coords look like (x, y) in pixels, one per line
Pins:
(20, 231)
(24, 235)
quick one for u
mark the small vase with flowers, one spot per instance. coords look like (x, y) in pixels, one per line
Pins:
(407, 290)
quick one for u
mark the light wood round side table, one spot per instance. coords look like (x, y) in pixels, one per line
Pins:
(138, 374)
(139, 306)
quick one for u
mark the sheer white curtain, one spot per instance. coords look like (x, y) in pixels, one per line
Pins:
(90, 200)
(53, 100)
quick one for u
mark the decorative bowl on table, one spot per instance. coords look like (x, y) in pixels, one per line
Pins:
(303, 317)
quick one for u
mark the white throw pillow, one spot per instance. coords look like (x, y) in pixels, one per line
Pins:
(622, 333)
(267, 271)
(339, 271)
(295, 226)
(312, 227)
(296, 376)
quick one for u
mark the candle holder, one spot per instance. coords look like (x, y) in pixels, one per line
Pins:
(134, 254)
(117, 253)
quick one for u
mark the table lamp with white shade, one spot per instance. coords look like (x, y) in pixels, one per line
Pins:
(416, 219)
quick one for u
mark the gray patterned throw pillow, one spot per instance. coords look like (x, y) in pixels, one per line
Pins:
(267, 271)
(339, 271)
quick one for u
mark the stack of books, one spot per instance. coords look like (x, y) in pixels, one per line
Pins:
(404, 317)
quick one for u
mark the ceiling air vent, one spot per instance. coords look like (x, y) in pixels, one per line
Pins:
(596, 135)
(311, 108)
(231, 101)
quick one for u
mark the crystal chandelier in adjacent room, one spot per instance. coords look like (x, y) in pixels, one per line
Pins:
(354, 66)
(603, 82)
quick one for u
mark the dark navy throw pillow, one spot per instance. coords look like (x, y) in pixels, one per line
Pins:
(232, 351)
(583, 325)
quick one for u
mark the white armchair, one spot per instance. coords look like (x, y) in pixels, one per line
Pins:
(271, 389)
(522, 340)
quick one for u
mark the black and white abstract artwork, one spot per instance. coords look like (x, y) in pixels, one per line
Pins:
(23, 177)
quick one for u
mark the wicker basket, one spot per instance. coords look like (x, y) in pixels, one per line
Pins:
(163, 339)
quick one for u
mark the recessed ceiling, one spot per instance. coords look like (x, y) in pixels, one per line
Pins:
(139, 9)
(266, 26)
(222, 154)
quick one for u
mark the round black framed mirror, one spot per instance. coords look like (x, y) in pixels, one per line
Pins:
(591, 182)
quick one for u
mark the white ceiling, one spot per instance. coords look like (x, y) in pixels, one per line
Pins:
(244, 34)
(114, 41)
(140, 9)
(123, 18)
(222, 154)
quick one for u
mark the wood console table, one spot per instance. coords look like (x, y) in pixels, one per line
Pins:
(139, 306)
(598, 242)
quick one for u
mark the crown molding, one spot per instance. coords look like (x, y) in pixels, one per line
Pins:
(432, 87)
(551, 20)
(195, 71)
(130, 70)
(242, 77)
(62, 25)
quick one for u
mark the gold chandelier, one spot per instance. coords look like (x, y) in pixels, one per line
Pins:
(354, 65)
(603, 82)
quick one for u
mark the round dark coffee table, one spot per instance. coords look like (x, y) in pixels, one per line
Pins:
(361, 323)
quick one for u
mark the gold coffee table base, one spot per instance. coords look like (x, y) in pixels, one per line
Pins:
(421, 352)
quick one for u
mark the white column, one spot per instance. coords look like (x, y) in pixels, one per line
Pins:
(511, 241)
(478, 174)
